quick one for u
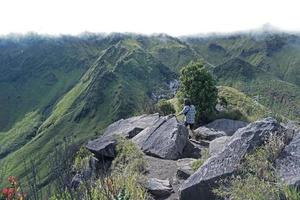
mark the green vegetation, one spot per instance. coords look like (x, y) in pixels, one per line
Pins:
(124, 182)
(258, 170)
(197, 84)
(239, 106)
(165, 107)
(199, 162)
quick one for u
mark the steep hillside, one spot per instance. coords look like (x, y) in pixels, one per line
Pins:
(118, 83)
(282, 97)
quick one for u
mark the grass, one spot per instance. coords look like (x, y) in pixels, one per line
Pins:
(199, 162)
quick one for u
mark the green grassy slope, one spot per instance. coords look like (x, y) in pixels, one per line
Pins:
(116, 85)
(282, 97)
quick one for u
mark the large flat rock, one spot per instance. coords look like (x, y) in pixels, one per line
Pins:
(165, 139)
(130, 127)
(199, 185)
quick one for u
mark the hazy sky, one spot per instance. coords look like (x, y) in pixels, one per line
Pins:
(174, 17)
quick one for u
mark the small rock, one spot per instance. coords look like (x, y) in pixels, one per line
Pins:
(184, 169)
(159, 188)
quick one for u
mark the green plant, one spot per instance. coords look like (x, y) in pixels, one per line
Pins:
(82, 158)
(199, 162)
(129, 159)
(165, 107)
(197, 84)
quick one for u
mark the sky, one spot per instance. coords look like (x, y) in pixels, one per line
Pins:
(173, 17)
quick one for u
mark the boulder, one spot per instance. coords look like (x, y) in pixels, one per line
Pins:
(103, 147)
(199, 185)
(288, 164)
(165, 139)
(217, 145)
(226, 125)
(192, 150)
(159, 188)
(184, 168)
(208, 133)
(130, 127)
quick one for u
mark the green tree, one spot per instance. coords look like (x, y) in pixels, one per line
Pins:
(197, 84)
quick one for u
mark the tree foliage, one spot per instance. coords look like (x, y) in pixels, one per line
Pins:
(165, 108)
(197, 84)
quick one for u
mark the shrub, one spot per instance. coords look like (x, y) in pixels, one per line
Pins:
(165, 108)
(197, 84)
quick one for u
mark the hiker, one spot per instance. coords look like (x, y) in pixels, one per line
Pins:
(189, 111)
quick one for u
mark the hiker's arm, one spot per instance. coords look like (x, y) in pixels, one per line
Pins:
(184, 110)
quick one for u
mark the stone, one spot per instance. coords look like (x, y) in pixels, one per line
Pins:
(184, 168)
(159, 188)
(208, 133)
(103, 147)
(217, 145)
(130, 127)
(165, 139)
(200, 184)
(288, 164)
(192, 150)
(228, 126)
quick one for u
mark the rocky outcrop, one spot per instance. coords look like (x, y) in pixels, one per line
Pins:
(288, 164)
(159, 188)
(130, 127)
(217, 145)
(165, 139)
(184, 168)
(226, 125)
(103, 147)
(199, 186)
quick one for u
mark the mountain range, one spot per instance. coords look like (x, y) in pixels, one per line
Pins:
(69, 88)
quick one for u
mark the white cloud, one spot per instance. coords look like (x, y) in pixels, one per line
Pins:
(145, 16)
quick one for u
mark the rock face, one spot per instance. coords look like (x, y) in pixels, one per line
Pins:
(159, 188)
(288, 164)
(184, 169)
(208, 133)
(103, 147)
(130, 127)
(192, 150)
(217, 145)
(226, 125)
(165, 139)
(199, 185)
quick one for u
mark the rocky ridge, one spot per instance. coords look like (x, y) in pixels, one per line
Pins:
(169, 152)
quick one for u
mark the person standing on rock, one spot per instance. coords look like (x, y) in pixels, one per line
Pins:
(189, 111)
